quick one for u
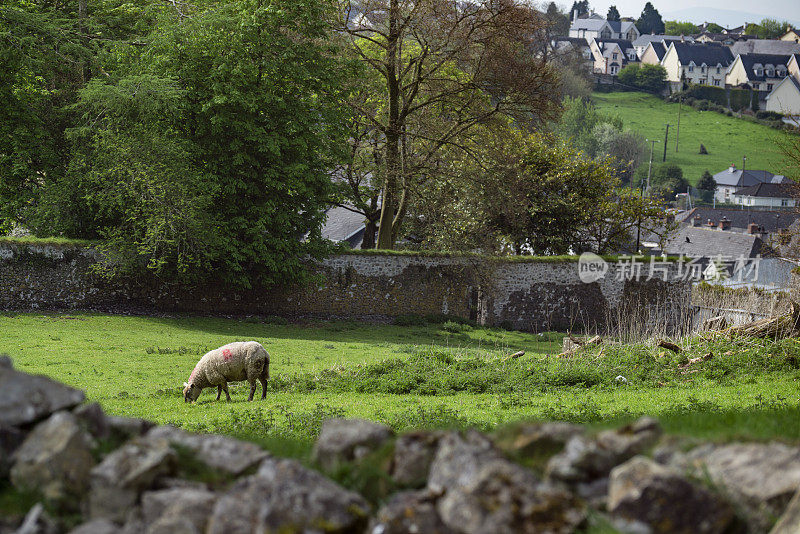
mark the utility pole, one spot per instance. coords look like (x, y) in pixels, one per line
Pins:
(650, 165)
(678, 131)
(666, 136)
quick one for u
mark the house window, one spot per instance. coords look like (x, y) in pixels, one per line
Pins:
(758, 72)
(614, 55)
(716, 82)
(632, 55)
(719, 70)
(770, 73)
(605, 34)
(703, 68)
(691, 68)
(784, 202)
(769, 87)
(755, 86)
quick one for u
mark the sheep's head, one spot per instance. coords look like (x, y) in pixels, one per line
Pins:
(190, 392)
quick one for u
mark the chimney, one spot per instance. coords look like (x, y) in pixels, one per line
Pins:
(753, 228)
(732, 167)
(724, 223)
(710, 224)
(575, 14)
(697, 221)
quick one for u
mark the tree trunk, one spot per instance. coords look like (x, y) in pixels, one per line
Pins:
(385, 234)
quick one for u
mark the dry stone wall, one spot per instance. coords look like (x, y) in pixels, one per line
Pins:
(526, 295)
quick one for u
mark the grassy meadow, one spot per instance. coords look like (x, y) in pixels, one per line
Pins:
(726, 139)
(422, 374)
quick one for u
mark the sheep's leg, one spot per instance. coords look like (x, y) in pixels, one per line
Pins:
(263, 388)
(224, 387)
(252, 390)
(219, 391)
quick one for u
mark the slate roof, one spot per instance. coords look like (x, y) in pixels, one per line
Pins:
(659, 49)
(738, 178)
(764, 46)
(750, 60)
(769, 220)
(699, 242)
(643, 40)
(710, 54)
(595, 25)
(344, 225)
(769, 191)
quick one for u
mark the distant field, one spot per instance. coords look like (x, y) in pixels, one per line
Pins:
(727, 139)
(428, 375)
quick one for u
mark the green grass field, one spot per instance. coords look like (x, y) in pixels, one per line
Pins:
(727, 139)
(432, 375)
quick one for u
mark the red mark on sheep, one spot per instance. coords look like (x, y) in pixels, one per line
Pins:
(226, 354)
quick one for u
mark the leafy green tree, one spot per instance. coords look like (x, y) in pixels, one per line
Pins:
(527, 193)
(613, 14)
(674, 27)
(434, 71)
(667, 181)
(707, 182)
(652, 78)
(714, 28)
(768, 29)
(650, 20)
(215, 162)
(628, 74)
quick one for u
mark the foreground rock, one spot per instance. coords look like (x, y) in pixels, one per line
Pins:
(542, 439)
(284, 496)
(409, 512)
(789, 523)
(413, 455)
(762, 478)
(28, 398)
(641, 490)
(55, 460)
(119, 479)
(585, 459)
(347, 440)
(221, 453)
(177, 510)
(484, 492)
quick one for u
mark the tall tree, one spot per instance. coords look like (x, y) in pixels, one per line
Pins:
(557, 21)
(207, 152)
(579, 7)
(650, 20)
(613, 14)
(434, 70)
(713, 27)
(707, 182)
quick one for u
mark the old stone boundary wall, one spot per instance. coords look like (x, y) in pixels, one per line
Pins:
(525, 295)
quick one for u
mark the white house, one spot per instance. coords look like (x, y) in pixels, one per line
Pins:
(762, 72)
(732, 180)
(696, 63)
(767, 195)
(640, 44)
(598, 28)
(785, 97)
(611, 55)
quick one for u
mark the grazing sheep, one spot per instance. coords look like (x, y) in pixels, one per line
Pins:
(234, 362)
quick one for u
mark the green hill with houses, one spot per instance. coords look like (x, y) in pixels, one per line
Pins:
(727, 139)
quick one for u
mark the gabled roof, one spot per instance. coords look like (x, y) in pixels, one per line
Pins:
(710, 54)
(764, 46)
(740, 219)
(643, 40)
(769, 191)
(699, 242)
(342, 224)
(624, 44)
(734, 177)
(621, 26)
(658, 48)
(749, 61)
(790, 80)
(594, 25)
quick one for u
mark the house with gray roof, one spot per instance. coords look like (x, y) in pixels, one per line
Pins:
(612, 55)
(343, 225)
(767, 195)
(761, 72)
(653, 54)
(640, 44)
(707, 244)
(598, 28)
(764, 46)
(743, 220)
(696, 63)
(785, 98)
(732, 180)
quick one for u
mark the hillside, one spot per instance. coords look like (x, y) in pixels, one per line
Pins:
(727, 139)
